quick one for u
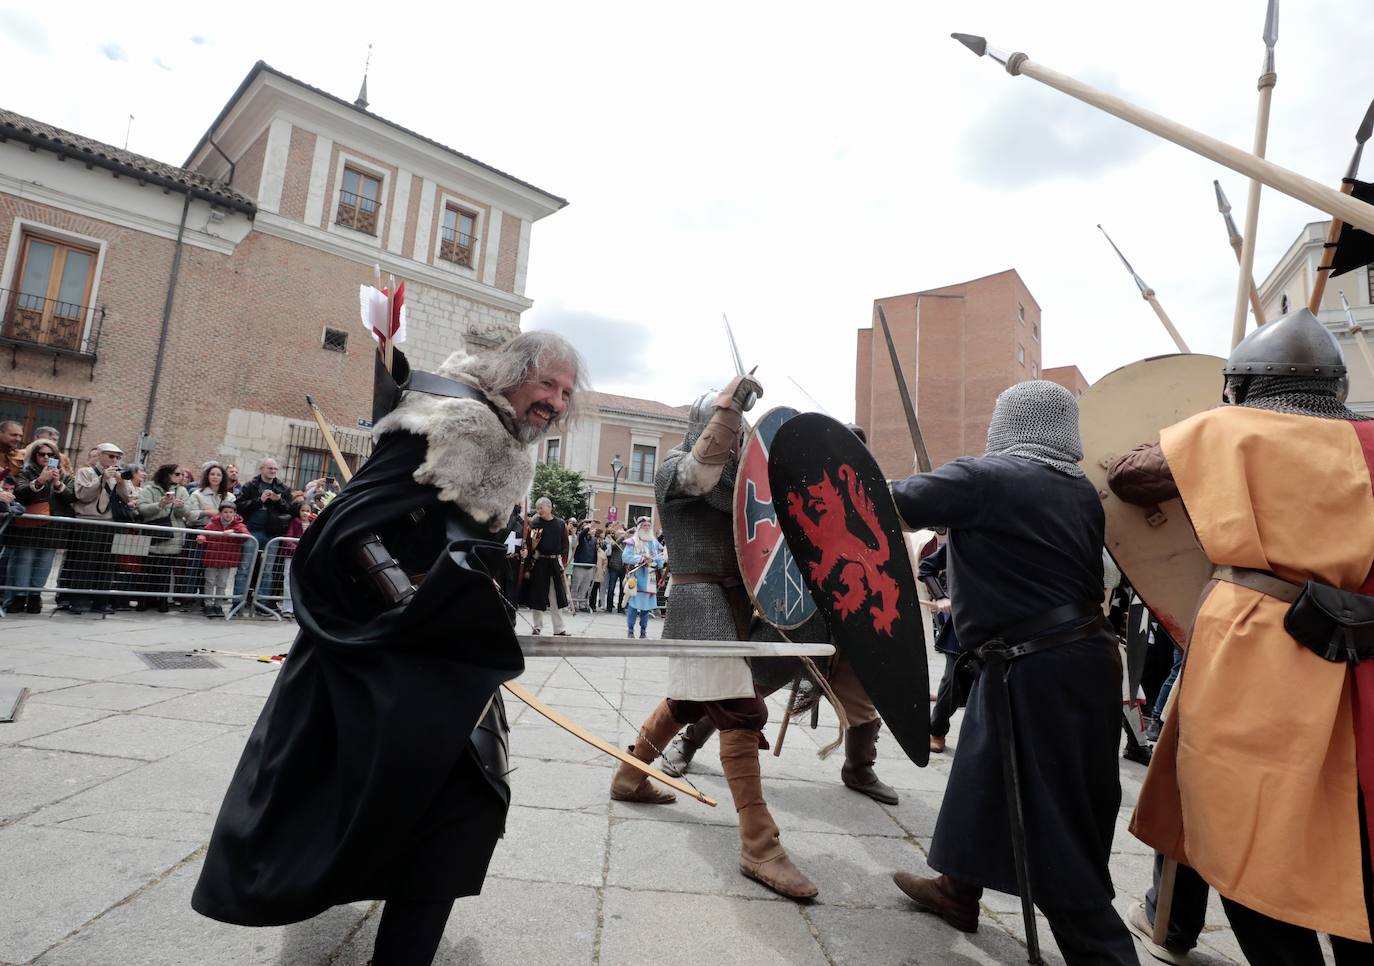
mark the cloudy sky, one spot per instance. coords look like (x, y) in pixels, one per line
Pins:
(784, 163)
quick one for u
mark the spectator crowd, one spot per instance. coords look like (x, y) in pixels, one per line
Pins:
(109, 535)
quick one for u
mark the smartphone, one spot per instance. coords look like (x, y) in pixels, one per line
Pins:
(53, 462)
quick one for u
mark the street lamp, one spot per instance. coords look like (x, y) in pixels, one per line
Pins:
(617, 467)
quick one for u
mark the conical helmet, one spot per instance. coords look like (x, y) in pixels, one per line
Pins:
(1294, 345)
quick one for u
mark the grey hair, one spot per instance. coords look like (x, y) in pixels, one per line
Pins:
(268, 459)
(506, 368)
(543, 501)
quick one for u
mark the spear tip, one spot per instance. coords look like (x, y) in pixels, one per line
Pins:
(979, 45)
(1366, 126)
(1223, 205)
(1271, 24)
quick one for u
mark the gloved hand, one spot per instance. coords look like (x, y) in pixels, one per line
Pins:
(740, 394)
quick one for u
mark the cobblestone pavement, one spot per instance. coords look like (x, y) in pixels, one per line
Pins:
(111, 778)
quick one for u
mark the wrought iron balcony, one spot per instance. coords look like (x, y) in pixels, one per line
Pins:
(456, 247)
(49, 325)
(357, 212)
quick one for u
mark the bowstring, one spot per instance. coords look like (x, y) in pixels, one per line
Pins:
(515, 609)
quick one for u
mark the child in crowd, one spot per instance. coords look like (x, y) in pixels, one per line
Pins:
(222, 554)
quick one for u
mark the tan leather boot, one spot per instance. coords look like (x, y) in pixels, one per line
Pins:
(953, 901)
(630, 785)
(761, 855)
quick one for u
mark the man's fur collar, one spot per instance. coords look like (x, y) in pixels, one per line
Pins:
(473, 460)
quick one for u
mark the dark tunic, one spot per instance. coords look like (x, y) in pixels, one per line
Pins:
(548, 539)
(1023, 540)
(361, 779)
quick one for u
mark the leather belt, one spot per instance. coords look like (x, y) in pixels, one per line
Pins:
(1030, 636)
(1260, 580)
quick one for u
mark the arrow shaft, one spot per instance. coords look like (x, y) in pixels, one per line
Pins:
(1269, 174)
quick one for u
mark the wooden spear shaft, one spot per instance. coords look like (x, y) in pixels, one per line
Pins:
(1247, 251)
(1149, 295)
(1254, 291)
(1363, 343)
(1271, 175)
(328, 435)
(1333, 235)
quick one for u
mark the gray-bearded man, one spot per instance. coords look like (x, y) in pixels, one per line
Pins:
(694, 488)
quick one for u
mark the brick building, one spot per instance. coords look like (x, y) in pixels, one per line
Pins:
(199, 304)
(959, 346)
(1288, 287)
(638, 432)
(1069, 377)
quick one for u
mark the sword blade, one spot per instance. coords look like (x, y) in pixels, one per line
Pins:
(917, 440)
(624, 647)
(734, 349)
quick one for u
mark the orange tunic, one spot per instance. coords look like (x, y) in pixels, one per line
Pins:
(1254, 780)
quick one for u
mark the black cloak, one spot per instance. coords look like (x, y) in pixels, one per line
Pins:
(1024, 539)
(363, 778)
(547, 569)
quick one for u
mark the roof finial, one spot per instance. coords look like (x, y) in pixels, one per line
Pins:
(362, 91)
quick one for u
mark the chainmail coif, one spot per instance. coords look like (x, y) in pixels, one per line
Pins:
(1292, 394)
(1037, 421)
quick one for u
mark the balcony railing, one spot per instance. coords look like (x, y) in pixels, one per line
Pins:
(357, 212)
(456, 247)
(49, 323)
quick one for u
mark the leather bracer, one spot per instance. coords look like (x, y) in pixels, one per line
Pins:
(719, 441)
(379, 570)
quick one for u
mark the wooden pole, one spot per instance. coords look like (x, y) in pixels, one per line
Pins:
(1164, 901)
(328, 435)
(1267, 173)
(787, 715)
(1333, 235)
(1233, 236)
(1149, 294)
(1254, 292)
(1247, 251)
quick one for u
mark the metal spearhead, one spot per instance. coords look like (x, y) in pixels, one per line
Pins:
(1138, 280)
(1271, 37)
(1355, 327)
(981, 47)
(1362, 135)
(1224, 206)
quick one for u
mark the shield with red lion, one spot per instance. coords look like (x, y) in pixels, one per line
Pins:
(770, 572)
(840, 523)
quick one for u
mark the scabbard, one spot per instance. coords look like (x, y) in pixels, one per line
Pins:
(995, 679)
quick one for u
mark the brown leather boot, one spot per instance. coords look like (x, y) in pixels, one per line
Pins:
(630, 785)
(860, 752)
(761, 855)
(953, 901)
(677, 757)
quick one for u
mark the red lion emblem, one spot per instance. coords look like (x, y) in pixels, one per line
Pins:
(859, 564)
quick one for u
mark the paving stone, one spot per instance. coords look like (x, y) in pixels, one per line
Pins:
(111, 696)
(678, 857)
(31, 778)
(158, 927)
(41, 719)
(577, 697)
(39, 683)
(562, 785)
(217, 707)
(130, 736)
(671, 928)
(551, 845)
(176, 798)
(889, 937)
(192, 679)
(41, 909)
(529, 923)
(259, 683)
(534, 735)
(853, 870)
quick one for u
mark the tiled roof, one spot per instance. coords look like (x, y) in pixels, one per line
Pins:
(262, 66)
(629, 404)
(96, 153)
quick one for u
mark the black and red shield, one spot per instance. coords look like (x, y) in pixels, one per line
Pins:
(840, 523)
(770, 572)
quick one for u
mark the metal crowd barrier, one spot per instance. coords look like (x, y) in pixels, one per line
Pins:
(88, 562)
(272, 590)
